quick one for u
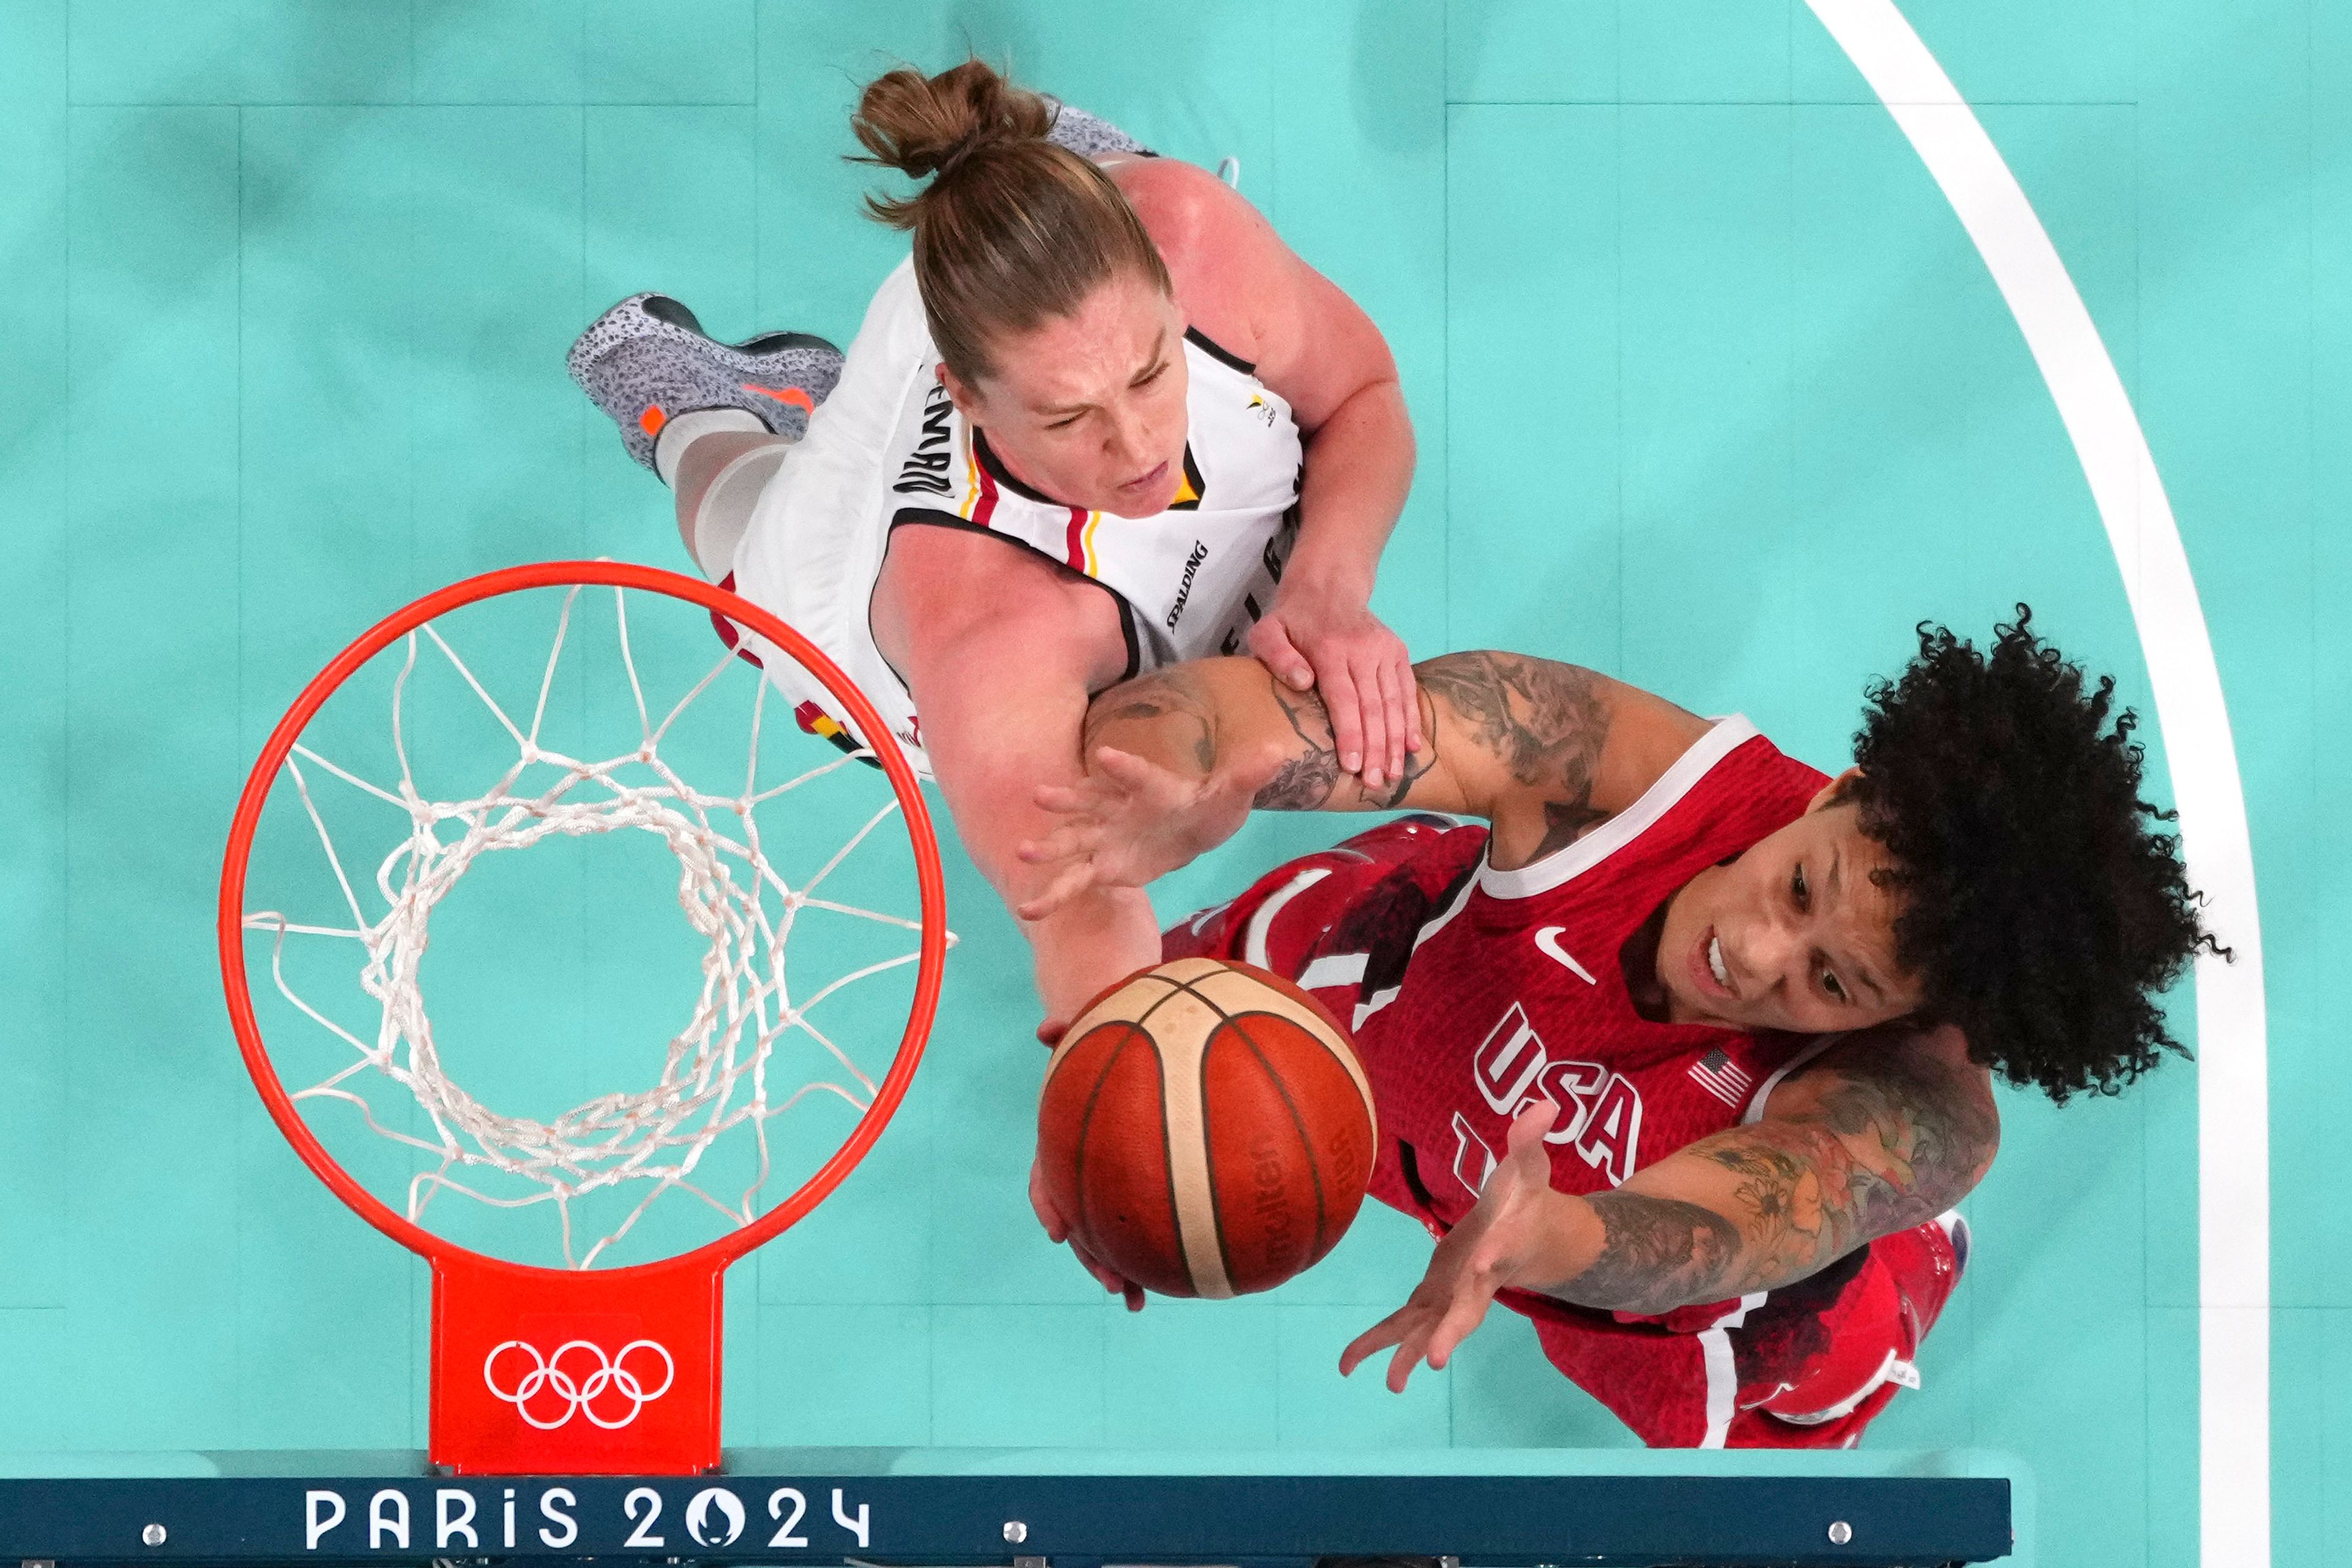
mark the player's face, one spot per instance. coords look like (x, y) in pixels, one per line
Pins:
(1795, 934)
(1088, 409)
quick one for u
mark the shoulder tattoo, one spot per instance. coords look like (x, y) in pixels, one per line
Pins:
(1895, 1136)
(1546, 723)
(1890, 1143)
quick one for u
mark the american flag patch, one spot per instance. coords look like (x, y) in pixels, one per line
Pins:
(1722, 1077)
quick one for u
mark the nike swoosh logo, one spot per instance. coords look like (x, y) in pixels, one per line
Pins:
(1548, 939)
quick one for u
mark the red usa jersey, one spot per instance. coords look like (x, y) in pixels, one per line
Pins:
(1474, 990)
(1514, 992)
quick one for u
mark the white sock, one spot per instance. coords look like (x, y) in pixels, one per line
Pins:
(669, 446)
(727, 507)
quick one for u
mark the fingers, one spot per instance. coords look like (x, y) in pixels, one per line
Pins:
(1401, 1365)
(1066, 884)
(1079, 807)
(1467, 1312)
(1422, 1334)
(1392, 719)
(1269, 640)
(1105, 1276)
(1409, 695)
(1372, 717)
(1531, 1124)
(1412, 1347)
(1341, 702)
(1050, 1032)
(1063, 800)
(1110, 1279)
(1526, 1163)
(1138, 777)
(1070, 841)
(1372, 1341)
(1408, 1328)
(1057, 1230)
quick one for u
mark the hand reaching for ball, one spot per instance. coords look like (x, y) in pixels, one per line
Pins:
(1129, 822)
(1057, 1230)
(1514, 1236)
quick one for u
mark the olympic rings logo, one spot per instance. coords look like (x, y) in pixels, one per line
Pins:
(575, 1377)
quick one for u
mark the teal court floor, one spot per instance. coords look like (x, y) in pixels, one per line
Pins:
(1713, 390)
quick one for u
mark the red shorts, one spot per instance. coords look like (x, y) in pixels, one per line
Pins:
(1806, 1366)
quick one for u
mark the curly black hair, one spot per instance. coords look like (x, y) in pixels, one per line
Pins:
(2043, 908)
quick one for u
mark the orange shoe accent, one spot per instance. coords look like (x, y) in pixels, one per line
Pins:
(792, 395)
(652, 419)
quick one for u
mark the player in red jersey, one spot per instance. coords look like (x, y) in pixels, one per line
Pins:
(1688, 1055)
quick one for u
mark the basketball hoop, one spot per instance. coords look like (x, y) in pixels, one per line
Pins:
(598, 1366)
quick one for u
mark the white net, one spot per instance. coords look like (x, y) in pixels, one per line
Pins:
(717, 1075)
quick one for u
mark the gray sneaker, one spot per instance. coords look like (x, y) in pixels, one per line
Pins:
(1088, 135)
(647, 361)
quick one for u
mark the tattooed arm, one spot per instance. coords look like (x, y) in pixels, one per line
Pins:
(1546, 751)
(1220, 719)
(1177, 759)
(1887, 1130)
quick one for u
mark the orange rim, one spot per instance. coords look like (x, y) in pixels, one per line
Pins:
(931, 954)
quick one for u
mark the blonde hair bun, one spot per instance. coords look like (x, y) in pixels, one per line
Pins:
(1012, 230)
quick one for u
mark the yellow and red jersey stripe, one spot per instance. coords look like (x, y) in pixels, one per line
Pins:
(1078, 544)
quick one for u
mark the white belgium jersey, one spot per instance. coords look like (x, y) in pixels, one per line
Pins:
(887, 449)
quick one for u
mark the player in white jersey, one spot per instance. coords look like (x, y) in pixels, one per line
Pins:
(1103, 420)
(1190, 581)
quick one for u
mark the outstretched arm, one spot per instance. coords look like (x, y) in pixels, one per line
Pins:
(1888, 1129)
(1176, 760)
(1001, 677)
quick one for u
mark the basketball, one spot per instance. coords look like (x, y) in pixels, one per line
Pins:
(1206, 1129)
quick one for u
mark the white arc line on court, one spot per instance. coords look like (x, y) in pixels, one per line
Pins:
(2233, 1071)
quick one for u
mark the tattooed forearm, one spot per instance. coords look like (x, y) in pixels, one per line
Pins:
(1546, 723)
(1170, 702)
(1777, 1188)
(1658, 1254)
(1887, 1142)
(1312, 775)
(1800, 1198)
(1891, 1134)
(1307, 778)
(1303, 784)
(1416, 764)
